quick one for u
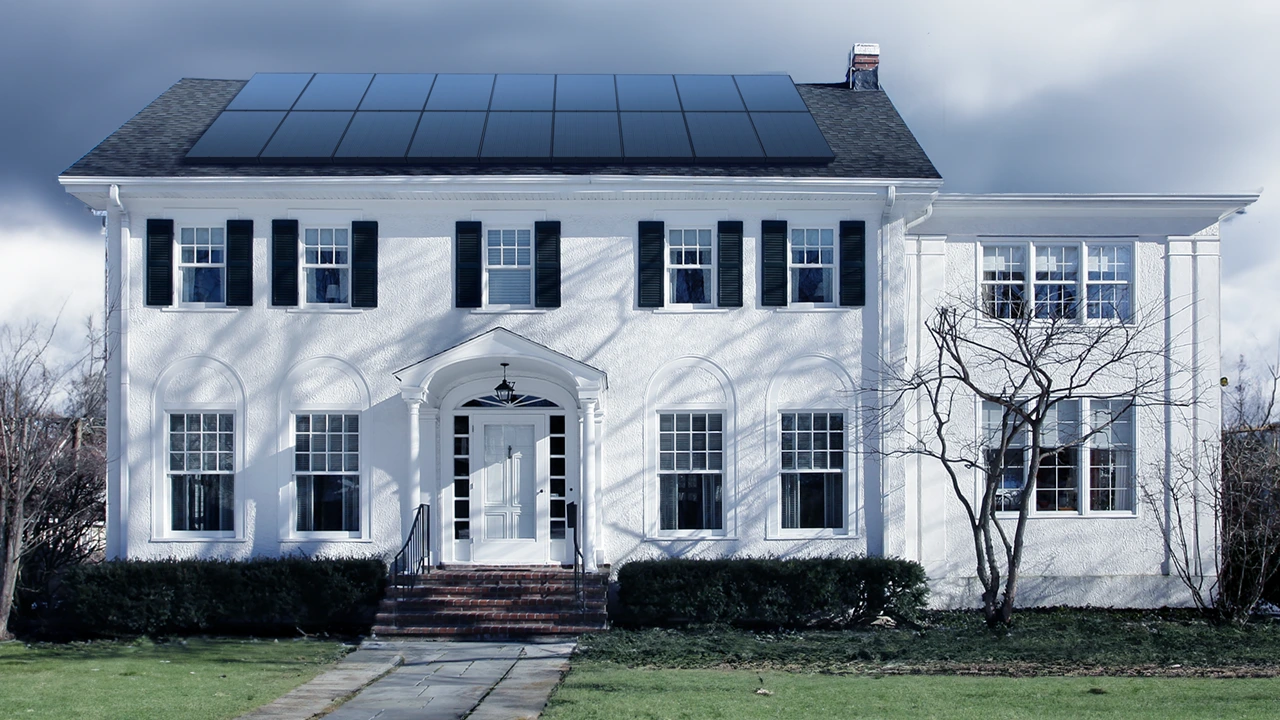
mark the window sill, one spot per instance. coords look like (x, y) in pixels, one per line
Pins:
(198, 309)
(1071, 515)
(199, 539)
(334, 537)
(813, 534)
(510, 311)
(697, 537)
(326, 311)
(815, 308)
(691, 310)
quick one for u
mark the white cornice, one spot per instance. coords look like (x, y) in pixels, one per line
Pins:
(1131, 204)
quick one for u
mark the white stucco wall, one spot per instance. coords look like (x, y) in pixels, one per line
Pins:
(263, 363)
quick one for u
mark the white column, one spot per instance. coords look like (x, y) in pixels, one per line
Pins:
(587, 484)
(412, 486)
(433, 490)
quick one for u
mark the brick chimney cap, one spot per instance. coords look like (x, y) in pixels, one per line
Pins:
(866, 48)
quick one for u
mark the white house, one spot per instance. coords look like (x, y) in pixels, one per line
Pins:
(318, 285)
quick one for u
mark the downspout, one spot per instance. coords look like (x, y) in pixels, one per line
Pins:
(116, 346)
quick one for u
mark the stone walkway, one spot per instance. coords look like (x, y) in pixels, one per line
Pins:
(430, 680)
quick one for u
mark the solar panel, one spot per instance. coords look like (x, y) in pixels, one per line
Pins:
(236, 135)
(461, 92)
(448, 135)
(787, 135)
(517, 135)
(381, 135)
(723, 135)
(523, 92)
(770, 92)
(585, 92)
(587, 135)
(270, 91)
(652, 135)
(708, 92)
(334, 91)
(647, 92)
(307, 136)
(397, 91)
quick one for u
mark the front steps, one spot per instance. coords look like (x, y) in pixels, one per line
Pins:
(494, 602)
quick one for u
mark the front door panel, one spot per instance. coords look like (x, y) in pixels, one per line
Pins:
(509, 500)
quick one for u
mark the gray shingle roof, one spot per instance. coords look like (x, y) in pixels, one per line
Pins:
(868, 136)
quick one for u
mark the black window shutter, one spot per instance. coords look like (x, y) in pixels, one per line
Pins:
(650, 264)
(159, 278)
(729, 264)
(773, 263)
(853, 263)
(364, 264)
(467, 262)
(546, 270)
(239, 263)
(284, 263)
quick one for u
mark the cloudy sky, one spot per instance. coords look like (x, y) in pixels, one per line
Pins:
(1016, 96)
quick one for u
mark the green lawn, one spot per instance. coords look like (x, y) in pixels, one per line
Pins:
(195, 679)
(594, 690)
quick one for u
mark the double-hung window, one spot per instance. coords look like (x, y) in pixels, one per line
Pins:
(508, 265)
(813, 481)
(1056, 286)
(326, 266)
(327, 472)
(691, 268)
(812, 266)
(1096, 445)
(691, 471)
(202, 472)
(202, 265)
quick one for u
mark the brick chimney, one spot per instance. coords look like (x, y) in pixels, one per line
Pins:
(864, 67)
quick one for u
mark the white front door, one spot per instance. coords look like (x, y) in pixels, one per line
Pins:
(509, 500)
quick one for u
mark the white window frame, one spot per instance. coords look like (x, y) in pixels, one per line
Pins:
(179, 283)
(1083, 467)
(164, 516)
(486, 267)
(292, 533)
(670, 268)
(725, 494)
(845, 490)
(1082, 282)
(304, 266)
(834, 265)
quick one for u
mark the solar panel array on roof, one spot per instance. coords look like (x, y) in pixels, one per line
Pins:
(291, 118)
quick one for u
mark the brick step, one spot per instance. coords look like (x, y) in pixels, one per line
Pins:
(469, 576)
(434, 590)
(496, 602)
(487, 631)
(488, 617)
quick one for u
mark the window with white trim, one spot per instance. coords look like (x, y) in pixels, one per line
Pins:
(327, 472)
(202, 266)
(811, 266)
(1098, 446)
(202, 472)
(813, 480)
(1057, 288)
(508, 268)
(691, 471)
(690, 268)
(326, 266)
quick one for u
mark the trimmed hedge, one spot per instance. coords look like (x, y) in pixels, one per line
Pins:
(769, 593)
(254, 597)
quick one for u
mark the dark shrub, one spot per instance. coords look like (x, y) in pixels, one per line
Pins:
(767, 593)
(258, 597)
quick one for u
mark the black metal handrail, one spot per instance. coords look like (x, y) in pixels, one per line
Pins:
(415, 556)
(578, 570)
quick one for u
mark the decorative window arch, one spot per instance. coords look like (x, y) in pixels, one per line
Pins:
(198, 450)
(690, 452)
(517, 401)
(811, 405)
(325, 481)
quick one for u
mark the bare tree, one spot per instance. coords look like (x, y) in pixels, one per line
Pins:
(50, 452)
(1025, 371)
(1238, 483)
